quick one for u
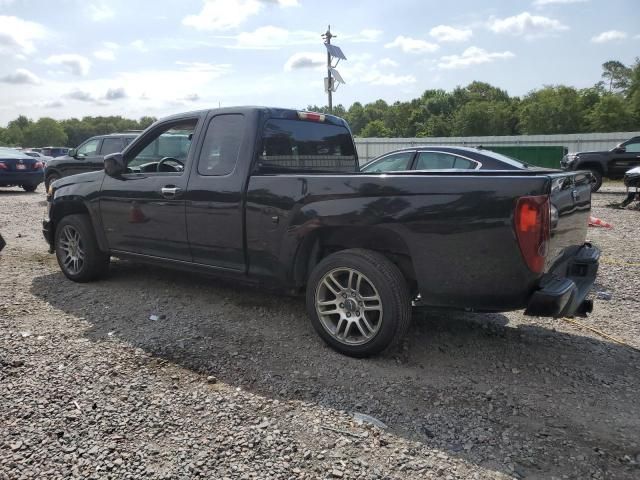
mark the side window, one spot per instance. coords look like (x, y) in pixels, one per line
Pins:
(392, 163)
(127, 140)
(632, 147)
(165, 150)
(221, 145)
(306, 146)
(111, 145)
(464, 163)
(89, 148)
(435, 161)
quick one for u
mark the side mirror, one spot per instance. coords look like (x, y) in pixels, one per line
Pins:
(73, 153)
(114, 165)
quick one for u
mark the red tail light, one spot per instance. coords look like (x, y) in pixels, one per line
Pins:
(532, 230)
(38, 165)
(3, 166)
(311, 116)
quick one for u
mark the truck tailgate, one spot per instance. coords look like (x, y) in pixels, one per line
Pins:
(570, 209)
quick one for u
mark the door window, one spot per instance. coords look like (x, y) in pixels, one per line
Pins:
(632, 147)
(88, 148)
(164, 151)
(391, 163)
(111, 145)
(221, 145)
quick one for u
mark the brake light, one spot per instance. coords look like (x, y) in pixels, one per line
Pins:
(3, 166)
(38, 165)
(532, 230)
(311, 116)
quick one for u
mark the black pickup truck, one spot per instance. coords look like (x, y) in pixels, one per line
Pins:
(612, 164)
(274, 197)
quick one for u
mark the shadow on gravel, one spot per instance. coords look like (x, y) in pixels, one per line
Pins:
(519, 400)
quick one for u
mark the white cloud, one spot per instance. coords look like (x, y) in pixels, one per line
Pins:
(21, 76)
(115, 94)
(139, 45)
(99, 12)
(81, 96)
(526, 24)
(412, 45)
(228, 14)
(215, 70)
(609, 36)
(446, 33)
(270, 37)
(542, 3)
(105, 54)
(364, 36)
(386, 80)
(387, 62)
(18, 36)
(53, 104)
(305, 60)
(472, 56)
(192, 97)
(77, 64)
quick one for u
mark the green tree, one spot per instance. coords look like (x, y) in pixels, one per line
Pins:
(484, 118)
(616, 75)
(552, 109)
(375, 128)
(611, 114)
(46, 131)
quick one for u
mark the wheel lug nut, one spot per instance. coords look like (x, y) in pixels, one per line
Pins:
(357, 313)
(344, 295)
(348, 315)
(342, 305)
(360, 303)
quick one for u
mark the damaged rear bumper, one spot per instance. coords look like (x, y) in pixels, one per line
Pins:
(563, 291)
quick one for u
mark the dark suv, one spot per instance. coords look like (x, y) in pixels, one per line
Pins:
(610, 164)
(87, 157)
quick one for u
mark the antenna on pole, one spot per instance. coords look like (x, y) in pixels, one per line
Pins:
(333, 78)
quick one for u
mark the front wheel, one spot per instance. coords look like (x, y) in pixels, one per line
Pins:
(77, 250)
(29, 188)
(358, 302)
(49, 179)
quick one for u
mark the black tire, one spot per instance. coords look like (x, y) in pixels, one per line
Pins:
(387, 283)
(49, 179)
(29, 188)
(95, 263)
(596, 180)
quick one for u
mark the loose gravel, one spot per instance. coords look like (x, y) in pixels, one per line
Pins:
(156, 374)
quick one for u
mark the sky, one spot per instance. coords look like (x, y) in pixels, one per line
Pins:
(71, 58)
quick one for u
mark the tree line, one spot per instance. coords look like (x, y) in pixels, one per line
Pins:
(612, 104)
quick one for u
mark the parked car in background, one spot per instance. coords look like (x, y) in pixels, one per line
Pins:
(274, 197)
(88, 156)
(54, 151)
(442, 158)
(32, 153)
(611, 164)
(18, 169)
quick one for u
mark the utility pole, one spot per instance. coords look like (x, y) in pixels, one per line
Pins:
(327, 40)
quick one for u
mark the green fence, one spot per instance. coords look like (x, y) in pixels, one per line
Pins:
(542, 156)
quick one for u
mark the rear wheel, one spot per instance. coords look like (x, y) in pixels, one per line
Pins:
(358, 302)
(50, 178)
(596, 180)
(29, 188)
(77, 250)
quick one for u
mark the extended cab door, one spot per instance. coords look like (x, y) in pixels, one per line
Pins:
(626, 158)
(143, 210)
(215, 194)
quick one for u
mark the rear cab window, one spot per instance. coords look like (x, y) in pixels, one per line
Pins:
(289, 145)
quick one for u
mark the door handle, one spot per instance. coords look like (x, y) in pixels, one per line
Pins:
(171, 191)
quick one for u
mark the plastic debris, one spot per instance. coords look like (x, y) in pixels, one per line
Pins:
(364, 418)
(596, 222)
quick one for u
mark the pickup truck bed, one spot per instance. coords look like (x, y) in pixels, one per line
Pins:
(288, 209)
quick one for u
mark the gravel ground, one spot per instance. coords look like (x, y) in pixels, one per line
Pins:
(231, 382)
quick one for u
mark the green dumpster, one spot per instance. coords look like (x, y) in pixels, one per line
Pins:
(542, 156)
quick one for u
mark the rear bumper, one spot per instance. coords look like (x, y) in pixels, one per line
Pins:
(21, 178)
(563, 291)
